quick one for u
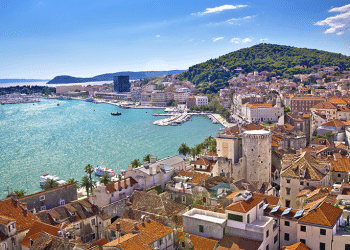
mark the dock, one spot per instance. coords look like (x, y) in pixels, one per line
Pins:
(174, 120)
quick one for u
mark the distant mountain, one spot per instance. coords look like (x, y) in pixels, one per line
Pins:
(110, 76)
(262, 57)
(22, 80)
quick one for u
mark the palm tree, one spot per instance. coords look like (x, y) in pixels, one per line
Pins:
(20, 193)
(184, 149)
(136, 163)
(147, 158)
(87, 183)
(193, 152)
(71, 180)
(89, 169)
(50, 184)
(105, 179)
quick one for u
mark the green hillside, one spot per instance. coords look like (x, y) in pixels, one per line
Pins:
(262, 57)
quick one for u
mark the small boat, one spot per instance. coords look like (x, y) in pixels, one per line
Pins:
(46, 177)
(58, 104)
(99, 171)
(115, 113)
(155, 114)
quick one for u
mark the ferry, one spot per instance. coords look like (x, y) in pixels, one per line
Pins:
(99, 171)
(115, 113)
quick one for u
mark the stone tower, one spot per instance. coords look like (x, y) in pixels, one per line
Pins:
(257, 155)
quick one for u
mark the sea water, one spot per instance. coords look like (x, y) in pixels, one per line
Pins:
(62, 140)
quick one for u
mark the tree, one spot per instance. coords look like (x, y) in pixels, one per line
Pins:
(87, 183)
(50, 184)
(136, 163)
(105, 179)
(89, 169)
(71, 180)
(286, 109)
(147, 158)
(329, 134)
(20, 193)
(184, 149)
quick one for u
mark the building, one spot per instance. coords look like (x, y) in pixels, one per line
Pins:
(121, 84)
(160, 98)
(182, 94)
(201, 100)
(240, 158)
(304, 103)
(191, 102)
(140, 235)
(50, 198)
(303, 172)
(15, 222)
(262, 112)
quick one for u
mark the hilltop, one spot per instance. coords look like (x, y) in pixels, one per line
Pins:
(110, 76)
(213, 74)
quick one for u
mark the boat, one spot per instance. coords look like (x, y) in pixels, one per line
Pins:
(58, 104)
(115, 113)
(99, 171)
(155, 114)
(46, 177)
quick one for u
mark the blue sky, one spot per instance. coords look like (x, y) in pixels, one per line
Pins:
(45, 38)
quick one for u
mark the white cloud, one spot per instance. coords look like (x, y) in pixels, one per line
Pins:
(339, 23)
(157, 35)
(241, 40)
(235, 20)
(219, 9)
(217, 39)
(263, 39)
(190, 40)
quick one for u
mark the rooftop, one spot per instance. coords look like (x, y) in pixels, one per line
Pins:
(206, 215)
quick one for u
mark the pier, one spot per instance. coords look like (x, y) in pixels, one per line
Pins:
(173, 120)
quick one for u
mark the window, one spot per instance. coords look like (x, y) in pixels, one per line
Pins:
(183, 198)
(160, 242)
(339, 175)
(201, 229)
(62, 202)
(93, 236)
(288, 191)
(322, 246)
(286, 237)
(31, 242)
(248, 218)
(301, 183)
(235, 217)
(347, 246)
(287, 203)
(183, 244)
(322, 231)
(303, 241)
(261, 205)
(286, 223)
(267, 247)
(169, 237)
(93, 221)
(42, 198)
(43, 208)
(288, 181)
(275, 239)
(303, 228)
(267, 234)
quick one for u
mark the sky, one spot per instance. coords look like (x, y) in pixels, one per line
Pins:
(45, 38)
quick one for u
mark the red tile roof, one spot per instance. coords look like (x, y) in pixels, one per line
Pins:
(297, 246)
(12, 208)
(35, 230)
(244, 206)
(324, 214)
(231, 242)
(199, 243)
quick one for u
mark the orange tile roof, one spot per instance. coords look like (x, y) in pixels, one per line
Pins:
(245, 206)
(340, 165)
(334, 123)
(199, 243)
(297, 246)
(336, 100)
(269, 199)
(232, 242)
(324, 105)
(12, 208)
(212, 154)
(100, 243)
(324, 214)
(148, 232)
(258, 105)
(202, 161)
(35, 230)
(111, 187)
(306, 162)
(196, 177)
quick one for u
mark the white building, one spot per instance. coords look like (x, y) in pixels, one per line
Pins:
(201, 100)
(182, 94)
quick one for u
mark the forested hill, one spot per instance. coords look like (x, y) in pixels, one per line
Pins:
(261, 57)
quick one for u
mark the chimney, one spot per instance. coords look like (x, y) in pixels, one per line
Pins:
(128, 182)
(122, 183)
(151, 172)
(129, 167)
(146, 164)
(157, 169)
(117, 225)
(153, 159)
(135, 226)
(148, 219)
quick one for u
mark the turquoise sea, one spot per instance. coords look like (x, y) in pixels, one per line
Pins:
(61, 140)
